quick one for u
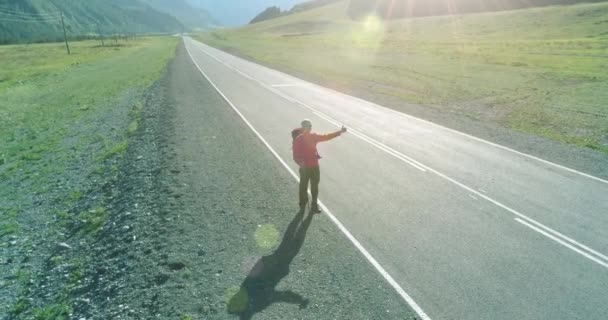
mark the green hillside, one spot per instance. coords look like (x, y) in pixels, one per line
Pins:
(37, 20)
(397, 9)
(275, 12)
(539, 70)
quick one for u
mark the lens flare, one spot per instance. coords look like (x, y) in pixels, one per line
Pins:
(237, 299)
(372, 24)
(267, 236)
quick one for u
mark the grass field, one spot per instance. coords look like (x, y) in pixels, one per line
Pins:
(64, 122)
(540, 70)
(44, 91)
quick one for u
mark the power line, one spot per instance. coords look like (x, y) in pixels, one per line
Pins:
(30, 21)
(2, 14)
(6, 11)
(22, 17)
(7, 16)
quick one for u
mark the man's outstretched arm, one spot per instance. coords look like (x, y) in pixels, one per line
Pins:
(327, 137)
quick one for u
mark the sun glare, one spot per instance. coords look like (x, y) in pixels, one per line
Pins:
(372, 24)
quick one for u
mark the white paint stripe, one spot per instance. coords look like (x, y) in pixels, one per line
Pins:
(372, 142)
(277, 92)
(588, 256)
(399, 155)
(285, 85)
(410, 301)
(390, 151)
(328, 119)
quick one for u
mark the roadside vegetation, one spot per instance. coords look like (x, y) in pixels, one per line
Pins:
(539, 70)
(65, 122)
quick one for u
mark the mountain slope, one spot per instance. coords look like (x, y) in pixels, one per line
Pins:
(185, 13)
(38, 20)
(397, 9)
(239, 12)
(275, 12)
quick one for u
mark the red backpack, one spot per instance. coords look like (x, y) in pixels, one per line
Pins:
(294, 134)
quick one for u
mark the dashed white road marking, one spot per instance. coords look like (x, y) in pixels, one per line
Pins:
(284, 85)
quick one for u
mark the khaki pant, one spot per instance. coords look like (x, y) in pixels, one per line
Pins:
(312, 175)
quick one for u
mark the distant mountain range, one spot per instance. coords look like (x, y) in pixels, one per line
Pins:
(275, 12)
(38, 20)
(191, 16)
(240, 12)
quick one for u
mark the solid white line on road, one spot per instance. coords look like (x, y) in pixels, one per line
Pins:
(409, 300)
(388, 150)
(399, 155)
(289, 85)
(550, 236)
(373, 142)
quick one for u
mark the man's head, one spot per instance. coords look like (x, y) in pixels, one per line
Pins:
(306, 125)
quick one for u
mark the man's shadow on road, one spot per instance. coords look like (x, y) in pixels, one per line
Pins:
(257, 291)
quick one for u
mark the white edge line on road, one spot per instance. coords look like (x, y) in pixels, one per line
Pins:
(600, 262)
(337, 222)
(290, 78)
(401, 156)
(284, 85)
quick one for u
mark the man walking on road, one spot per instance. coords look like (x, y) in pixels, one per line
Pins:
(306, 156)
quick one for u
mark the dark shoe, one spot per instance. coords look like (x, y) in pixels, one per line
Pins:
(315, 209)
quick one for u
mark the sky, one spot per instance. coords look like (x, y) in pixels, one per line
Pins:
(240, 12)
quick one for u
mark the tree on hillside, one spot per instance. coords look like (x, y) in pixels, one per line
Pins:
(269, 13)
(308, 5)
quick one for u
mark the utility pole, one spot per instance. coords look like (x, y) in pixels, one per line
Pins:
(65, 35)
(100, 35)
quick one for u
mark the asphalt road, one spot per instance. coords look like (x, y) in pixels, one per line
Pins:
(466, 228)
